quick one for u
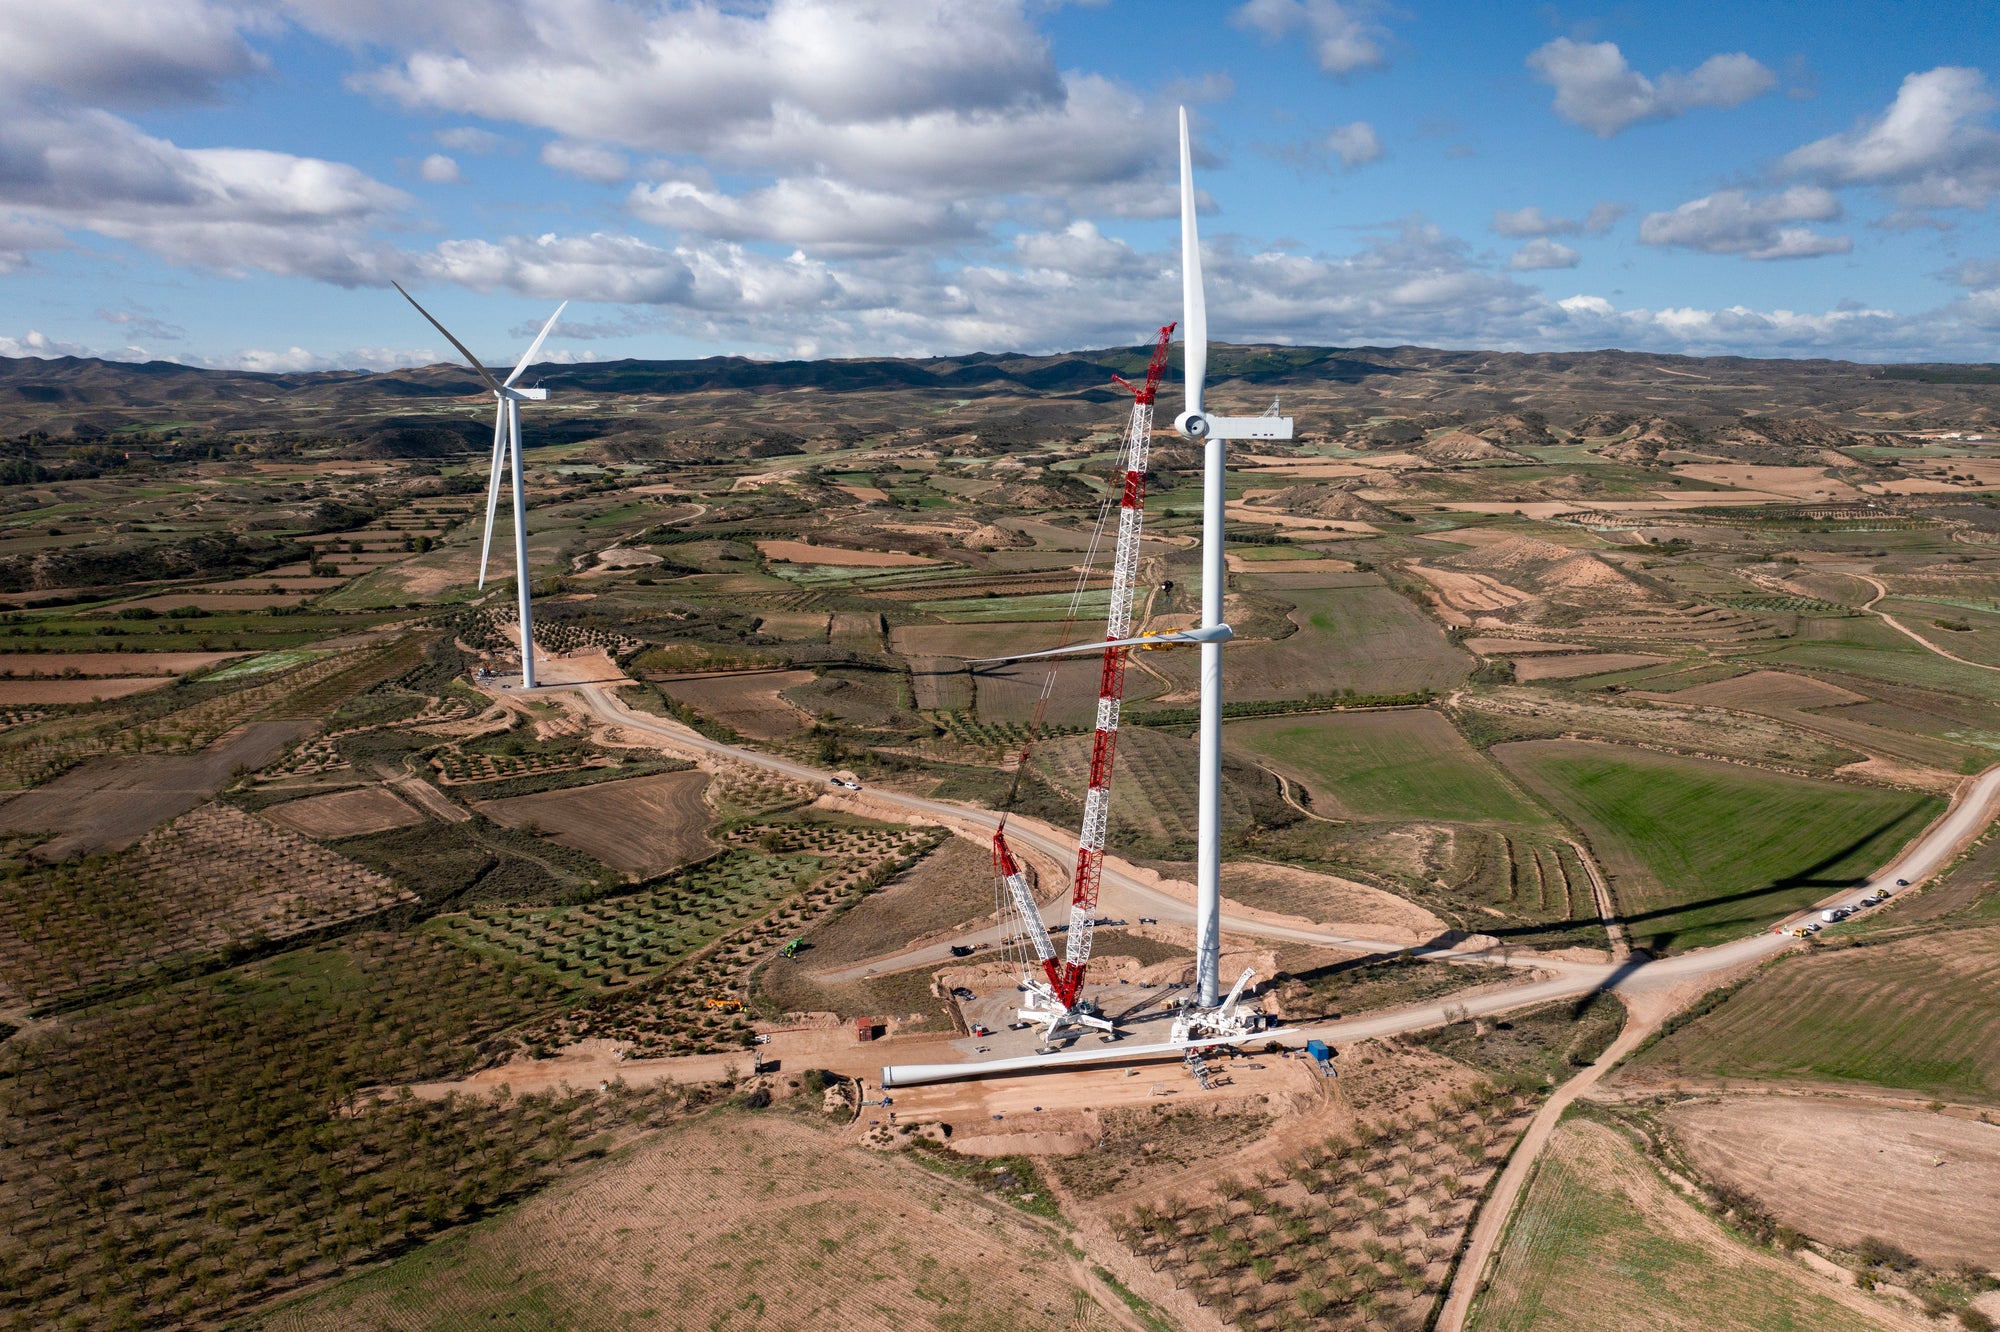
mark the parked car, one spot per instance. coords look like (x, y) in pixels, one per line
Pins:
(961, 993)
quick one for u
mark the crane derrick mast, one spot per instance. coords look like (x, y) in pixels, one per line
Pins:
(1065, 977)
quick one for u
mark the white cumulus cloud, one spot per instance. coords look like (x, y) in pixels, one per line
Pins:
(1345, 39)
(811, 211)
(1597, 89)
(126, 52)
(1933, 148)
(1753, 226)
(439, 169)
(1532, 221)
(592, 161)
(1355, 145)
(1542, 253)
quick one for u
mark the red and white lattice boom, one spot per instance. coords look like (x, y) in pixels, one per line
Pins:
(1057, 1002)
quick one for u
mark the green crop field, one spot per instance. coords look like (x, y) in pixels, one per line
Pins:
(1091, 608)
(1700, 851)
(1919, 1014)
(1385, 765)
(1597, 1231)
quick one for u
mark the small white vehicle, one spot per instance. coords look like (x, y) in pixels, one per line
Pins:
(842, 781)
(1832, 914)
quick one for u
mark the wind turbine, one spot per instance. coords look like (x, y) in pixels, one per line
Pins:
(1210, 432)
(506, 433)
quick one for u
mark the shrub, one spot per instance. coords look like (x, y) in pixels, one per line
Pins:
(1875, 1252)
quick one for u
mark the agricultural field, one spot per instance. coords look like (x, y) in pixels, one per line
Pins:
(624, 939)
(716, 933)
(1598, 1230)
(1290, 891)
(1356, 1230)
(1919, 1014)
(792, 1225)
(1921, 1181)
(250, 1182)
(351, 813)
(1398, 765)
(1699, 851)
(644, 826)
(1366, 639)
(191, 892)
(951, 887)
(750, 705)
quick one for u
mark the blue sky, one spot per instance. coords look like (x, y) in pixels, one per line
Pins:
(231, 184)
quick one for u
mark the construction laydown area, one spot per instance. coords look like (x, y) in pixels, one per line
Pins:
(1603, 795)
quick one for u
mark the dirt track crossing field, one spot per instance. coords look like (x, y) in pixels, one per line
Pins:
(731, 1222)
(642, 825)
(1843, 1171)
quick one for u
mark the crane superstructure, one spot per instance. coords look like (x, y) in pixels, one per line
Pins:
(1053, 1000)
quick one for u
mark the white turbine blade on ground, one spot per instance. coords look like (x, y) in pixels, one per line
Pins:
(493, 484)
(1194, 310)
(536, 345)
(1218, 633)
(470, 359)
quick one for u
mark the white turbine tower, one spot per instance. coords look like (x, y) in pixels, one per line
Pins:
(1210, 432)
(506, 434)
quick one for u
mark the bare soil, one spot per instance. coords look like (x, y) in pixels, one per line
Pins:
(801, 552)
(1843, 1171)
(748, 704)
(26, 693)
(953, 886)
(1583, 663)
(1769, 689)
(642, 825)
(36, 664)
(731, 1221)
(1325, 898)
(366, 809)
(111, 802)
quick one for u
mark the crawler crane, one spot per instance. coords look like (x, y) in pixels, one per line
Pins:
(1055, 999)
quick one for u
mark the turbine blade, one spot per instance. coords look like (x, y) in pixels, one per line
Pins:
(1194, 326)
(493, 484)
(1219, 633)
(470, 359)
(536, 345)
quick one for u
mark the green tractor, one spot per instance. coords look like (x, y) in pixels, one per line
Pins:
(792, 948)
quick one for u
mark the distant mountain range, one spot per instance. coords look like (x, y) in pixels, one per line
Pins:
(1329, 388)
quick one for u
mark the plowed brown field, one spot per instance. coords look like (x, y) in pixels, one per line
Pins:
(642, 825)
(748, 704)
(366, 809)
(1843, 1171)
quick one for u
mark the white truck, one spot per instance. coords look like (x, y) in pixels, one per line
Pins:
(1832, 914)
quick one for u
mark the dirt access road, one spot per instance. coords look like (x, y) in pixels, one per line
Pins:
(1881, 591)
